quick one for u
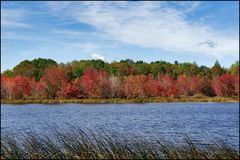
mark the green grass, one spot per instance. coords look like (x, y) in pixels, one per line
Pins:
(197, 98)
(77, 144)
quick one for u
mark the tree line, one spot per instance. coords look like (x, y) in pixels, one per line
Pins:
(44, 78)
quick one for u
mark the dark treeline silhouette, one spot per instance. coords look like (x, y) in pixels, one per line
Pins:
(44, 78)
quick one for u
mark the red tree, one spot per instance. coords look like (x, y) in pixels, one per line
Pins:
(195, 85)
(37, 89)
(134, 86)
(225, 85)
(89, 82)
(21, 87)
(65, 91)
(6, 87)
(236, 84)
(96, 84)
(54, 78)
(206, 87)
(77, 88)
(183, 85)
(71, 90)
(166, 86)
(151, 87)
(103, 85)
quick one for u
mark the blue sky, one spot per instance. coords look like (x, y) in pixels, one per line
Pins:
(148, 31)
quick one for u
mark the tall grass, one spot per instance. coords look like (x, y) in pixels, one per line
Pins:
(77, 144)
(197, 98)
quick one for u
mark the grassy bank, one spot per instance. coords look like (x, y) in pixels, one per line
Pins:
(77, 144)
(124, 100)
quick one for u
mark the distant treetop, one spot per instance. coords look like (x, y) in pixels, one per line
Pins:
(36, 67)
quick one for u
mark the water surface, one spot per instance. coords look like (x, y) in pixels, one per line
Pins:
(199, 120)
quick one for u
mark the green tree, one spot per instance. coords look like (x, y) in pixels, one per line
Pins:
(40, 65)
(142, 68)
(7, 73)
(217, 70)
(111, 68)
(234, 69)
(25, 68)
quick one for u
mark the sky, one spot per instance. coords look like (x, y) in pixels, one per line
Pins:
(150, 31)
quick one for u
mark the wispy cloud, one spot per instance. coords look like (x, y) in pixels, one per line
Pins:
(13, 18)
(151, 25)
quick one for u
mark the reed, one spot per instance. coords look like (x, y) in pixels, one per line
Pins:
(78, 144)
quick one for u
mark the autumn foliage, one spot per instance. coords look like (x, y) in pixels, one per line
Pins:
(96, 79)
(55, 80)
(7, 87)
(96, 84)
(135, 86)
(226, 85)
(166, 86)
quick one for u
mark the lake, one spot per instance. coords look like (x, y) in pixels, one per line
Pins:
(201, 121)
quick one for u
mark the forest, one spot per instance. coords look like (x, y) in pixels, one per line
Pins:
(46, 79)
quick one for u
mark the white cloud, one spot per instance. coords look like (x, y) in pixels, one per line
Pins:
(57, 6)
(97, 56)
(151, 25)
(13, 18)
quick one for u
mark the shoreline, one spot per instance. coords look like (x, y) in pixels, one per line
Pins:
(122, 100)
